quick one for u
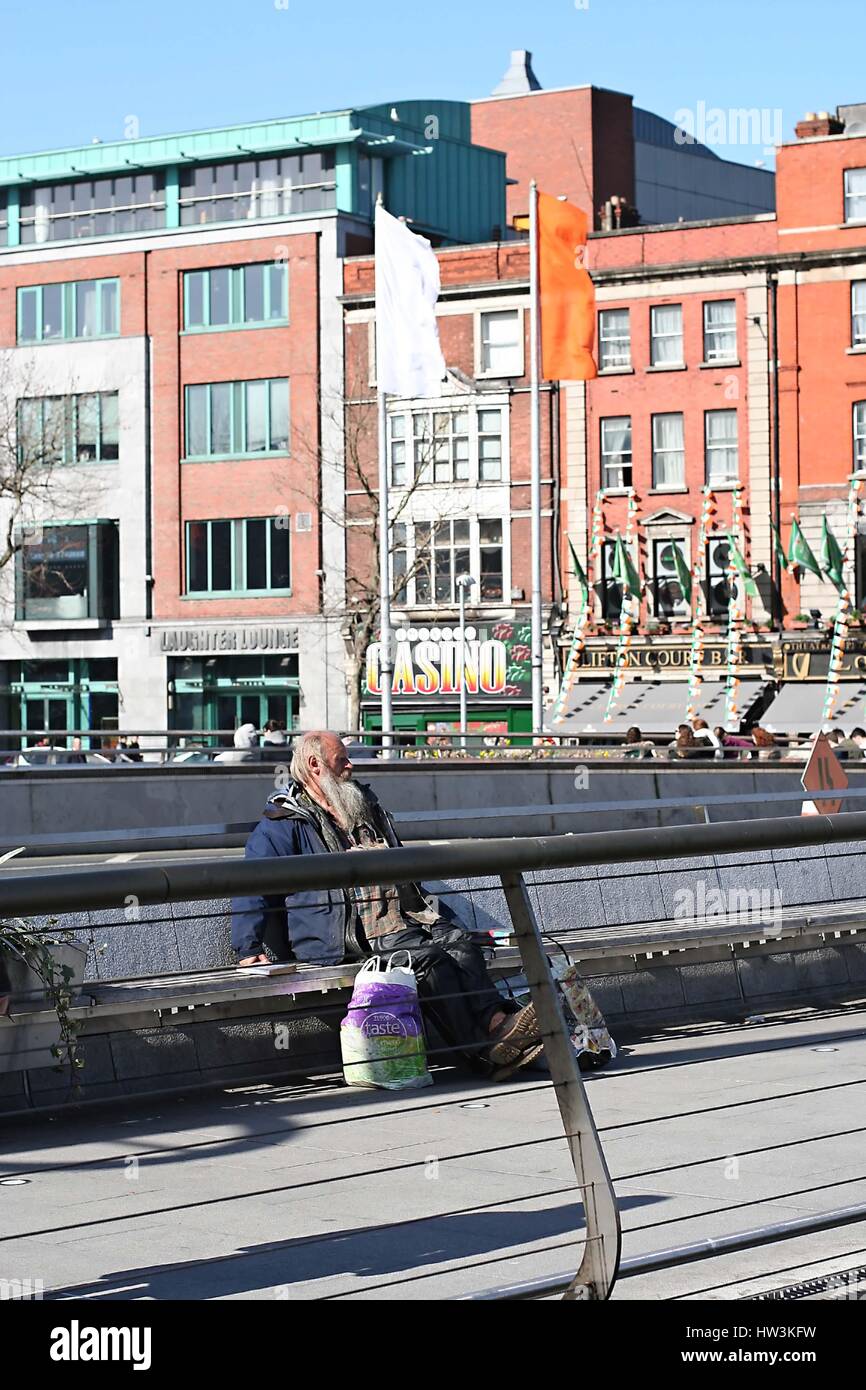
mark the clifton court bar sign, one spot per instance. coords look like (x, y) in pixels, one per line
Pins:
(427, 663)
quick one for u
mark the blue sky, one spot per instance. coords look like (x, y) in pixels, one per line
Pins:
(75, 69)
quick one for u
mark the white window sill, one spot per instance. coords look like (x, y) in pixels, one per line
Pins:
(723, 487)
(617, 491)
(616, 371)
(857, 351)
(667, 491)
(721, 362)
(62, 624)
(668, 367)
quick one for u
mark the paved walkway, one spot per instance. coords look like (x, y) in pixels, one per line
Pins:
(318, 1192)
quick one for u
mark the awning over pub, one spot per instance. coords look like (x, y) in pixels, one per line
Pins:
(655, 707)
(799, 708)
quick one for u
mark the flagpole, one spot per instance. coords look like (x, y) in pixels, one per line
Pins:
(535, 466)
(386, 660)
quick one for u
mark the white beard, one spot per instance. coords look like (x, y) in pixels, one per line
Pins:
(345, 799)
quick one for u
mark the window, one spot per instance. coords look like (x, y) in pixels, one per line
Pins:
(669, 460)
(616, 452)
(855, 195)
(858, 313)
(666, 335)
(614, 339)
(722, 450)
(490, 536)
(611, 590)
(502, 343)
(80, 309)
(92, 207)
(718, 587)
(56, 430)
(258, 188)
(668, 598)
(237, 296)
(720, 330)
(860, 437)
(68, 572)
(227, 419)
(249, 556)
(429, 557)
(447, 446)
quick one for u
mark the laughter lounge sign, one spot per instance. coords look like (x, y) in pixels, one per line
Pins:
(427, 662)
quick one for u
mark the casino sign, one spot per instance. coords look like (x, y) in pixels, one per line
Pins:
(427, 663)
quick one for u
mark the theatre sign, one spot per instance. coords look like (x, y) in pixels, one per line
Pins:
(434, 662)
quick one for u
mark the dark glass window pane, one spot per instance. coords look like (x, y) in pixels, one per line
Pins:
(55, 574)
(254, 293)
(110, 426)
(55, 438)
(195, 285)
(279, 281)
(279, 414)
(86, 317)
(257, 422)
(87, 443)
(256, 533)
(110, 317)
(28, 301)
(220, 411)
(220, 301)
(197, 577)
(196, 421)
(102, 669)
(52, 311)
(280, 572)
(221, 556)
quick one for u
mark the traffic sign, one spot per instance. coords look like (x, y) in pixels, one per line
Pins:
(825, 773)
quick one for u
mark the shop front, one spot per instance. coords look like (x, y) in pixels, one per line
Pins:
(221, 678)
(431, 665)
(39, 698)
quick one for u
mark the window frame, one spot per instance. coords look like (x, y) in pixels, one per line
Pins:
(849, 198)
(69, 295)
(618, 366)
(404, 544)
(680, 609)
(102, 564)
(454, 405)
(664, 337)
(709, 480)
(238, 557)
(238, 420)
(71, 414)
(237, 294)
(485, 373)
(858, 313)
(156, 203)
(859, 436)
(712, 356)
(622, 468)
(680, 485)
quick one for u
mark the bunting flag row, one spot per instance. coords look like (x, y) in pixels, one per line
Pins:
(578, 641)
(836, 566)
(699, 608)
(629, 580)
(741, 585)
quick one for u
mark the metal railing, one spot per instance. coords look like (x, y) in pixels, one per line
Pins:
(508, 861)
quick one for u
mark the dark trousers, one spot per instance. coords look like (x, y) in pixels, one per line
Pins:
(456, 993)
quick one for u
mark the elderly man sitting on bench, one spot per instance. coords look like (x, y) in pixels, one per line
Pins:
(324, 810)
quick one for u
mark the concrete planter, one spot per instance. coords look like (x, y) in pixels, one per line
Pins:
(28, 1044)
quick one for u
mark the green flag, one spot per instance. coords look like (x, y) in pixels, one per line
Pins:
(832, 562)
(800, 552)
(742, 569)
(579, 572)
(780, 549)
(684, 574)
(623, 569)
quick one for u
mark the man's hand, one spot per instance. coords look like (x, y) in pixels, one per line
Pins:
(254, 960)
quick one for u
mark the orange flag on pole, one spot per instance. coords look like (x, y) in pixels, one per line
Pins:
(566, 293)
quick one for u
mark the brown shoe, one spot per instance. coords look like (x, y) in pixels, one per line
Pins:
(528, 1055)
(514, 1036)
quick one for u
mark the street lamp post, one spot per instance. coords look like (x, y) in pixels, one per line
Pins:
(464, 584)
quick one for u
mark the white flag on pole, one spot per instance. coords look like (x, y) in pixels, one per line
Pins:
(409, 360)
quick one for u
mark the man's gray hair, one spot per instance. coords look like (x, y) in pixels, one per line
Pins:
(309, 747)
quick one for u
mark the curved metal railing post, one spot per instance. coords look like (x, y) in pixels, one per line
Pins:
(598, 1269)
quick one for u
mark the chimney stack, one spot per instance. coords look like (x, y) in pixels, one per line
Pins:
(815, 124)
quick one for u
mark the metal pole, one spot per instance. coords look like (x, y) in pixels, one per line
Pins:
(535, 465)
(386, 657)
(462, 588)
